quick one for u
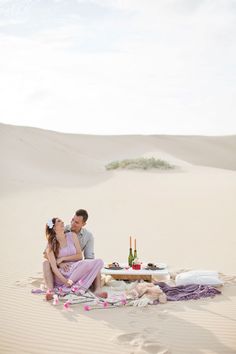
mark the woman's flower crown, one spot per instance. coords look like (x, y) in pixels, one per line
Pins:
(50, 224)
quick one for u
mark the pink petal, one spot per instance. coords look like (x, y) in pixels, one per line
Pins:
(105, 304)
(74, 288)
(87, 308)
(66, 305)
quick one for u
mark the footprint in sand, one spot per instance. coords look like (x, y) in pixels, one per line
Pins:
(153, 348)
(127, 338)
(137, 340)
(35, 281)
(21, 283)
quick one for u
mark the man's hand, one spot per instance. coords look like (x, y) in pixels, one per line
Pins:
(64, 266)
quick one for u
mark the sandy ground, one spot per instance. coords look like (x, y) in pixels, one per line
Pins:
(185, 218)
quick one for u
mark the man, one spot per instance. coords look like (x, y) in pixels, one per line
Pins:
(86, 243)
(85, 237)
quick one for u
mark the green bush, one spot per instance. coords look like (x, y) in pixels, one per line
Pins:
(140, 163)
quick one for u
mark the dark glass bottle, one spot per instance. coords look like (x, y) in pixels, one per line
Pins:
(130, 258)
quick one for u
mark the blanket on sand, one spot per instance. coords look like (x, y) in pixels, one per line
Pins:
(187, 292)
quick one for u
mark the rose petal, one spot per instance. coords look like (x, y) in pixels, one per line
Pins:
(87, 308)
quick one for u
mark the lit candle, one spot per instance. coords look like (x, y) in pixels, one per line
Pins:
(135, 243)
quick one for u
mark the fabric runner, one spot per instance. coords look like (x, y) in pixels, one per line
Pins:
(187, 292)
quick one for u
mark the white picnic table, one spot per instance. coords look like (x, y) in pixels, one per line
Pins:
(133, 274)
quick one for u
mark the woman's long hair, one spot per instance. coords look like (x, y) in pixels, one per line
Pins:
(52, 240)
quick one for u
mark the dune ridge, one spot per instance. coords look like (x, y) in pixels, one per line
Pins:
(43, 158)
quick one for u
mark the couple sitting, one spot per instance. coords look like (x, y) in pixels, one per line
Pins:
(64, 265)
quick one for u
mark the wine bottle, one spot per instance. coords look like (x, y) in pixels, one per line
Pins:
(130, 258)
(135, 250)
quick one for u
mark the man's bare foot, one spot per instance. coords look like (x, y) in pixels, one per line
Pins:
(101, 293)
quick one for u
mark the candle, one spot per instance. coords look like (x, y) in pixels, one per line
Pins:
(135, 243)
(130, 242)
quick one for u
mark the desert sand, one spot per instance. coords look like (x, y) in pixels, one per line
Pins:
(183, 217)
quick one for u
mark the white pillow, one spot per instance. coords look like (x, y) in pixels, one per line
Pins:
(200, 277)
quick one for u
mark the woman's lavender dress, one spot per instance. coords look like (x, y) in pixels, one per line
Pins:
(82, 272)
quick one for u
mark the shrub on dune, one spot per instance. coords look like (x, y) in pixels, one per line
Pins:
(141, 163)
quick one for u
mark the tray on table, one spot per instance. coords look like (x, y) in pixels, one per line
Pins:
(114, 268)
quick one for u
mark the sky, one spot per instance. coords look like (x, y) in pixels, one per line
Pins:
(119, 66)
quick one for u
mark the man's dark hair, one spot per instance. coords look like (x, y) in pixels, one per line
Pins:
(83, 213)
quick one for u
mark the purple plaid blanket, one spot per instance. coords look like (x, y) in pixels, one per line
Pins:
(187, 292)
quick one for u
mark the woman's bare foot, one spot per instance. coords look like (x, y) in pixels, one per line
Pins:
(49, 295)
(101, 293)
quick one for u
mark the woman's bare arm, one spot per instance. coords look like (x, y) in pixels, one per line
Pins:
(52, 260)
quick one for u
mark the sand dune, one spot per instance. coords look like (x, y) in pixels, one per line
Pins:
(35, 157)
(185, 218)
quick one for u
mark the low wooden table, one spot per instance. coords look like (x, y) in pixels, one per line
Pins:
(132, 274)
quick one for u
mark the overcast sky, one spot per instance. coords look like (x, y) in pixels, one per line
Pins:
(119, 67)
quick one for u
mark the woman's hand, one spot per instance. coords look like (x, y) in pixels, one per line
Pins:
(69, 283)
(59, 260)
(65, 267)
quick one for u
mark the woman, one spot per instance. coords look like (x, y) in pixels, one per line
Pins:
(65, 257)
